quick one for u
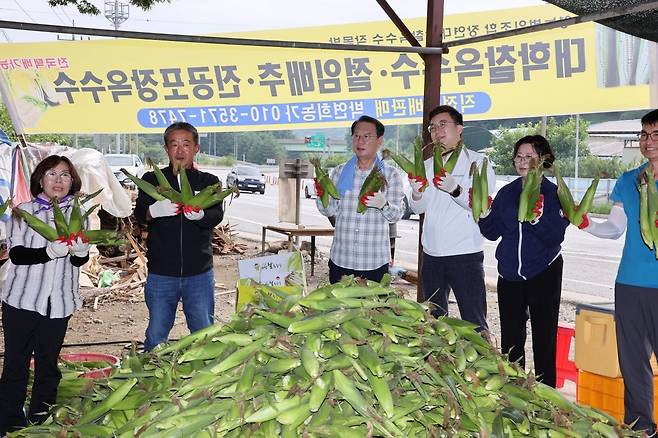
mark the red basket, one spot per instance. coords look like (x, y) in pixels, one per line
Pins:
(98, 373)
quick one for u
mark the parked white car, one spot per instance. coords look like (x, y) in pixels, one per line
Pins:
(131, 162)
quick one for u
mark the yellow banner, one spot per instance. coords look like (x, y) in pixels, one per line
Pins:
(132, 86)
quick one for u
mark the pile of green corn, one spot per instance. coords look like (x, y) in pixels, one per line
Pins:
(348, 360)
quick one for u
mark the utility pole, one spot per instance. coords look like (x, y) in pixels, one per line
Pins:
(116, 12)
(576, 158)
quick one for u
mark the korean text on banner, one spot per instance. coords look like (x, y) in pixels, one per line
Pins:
(83, 86)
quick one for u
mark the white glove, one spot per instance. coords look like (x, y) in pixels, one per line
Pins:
(446, 182)
(57, 249)
(415, 187)
(376, 200)
(80, 248)
(193, 215)
(163, 208)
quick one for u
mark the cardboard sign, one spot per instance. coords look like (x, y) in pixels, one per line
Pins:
(284, 272)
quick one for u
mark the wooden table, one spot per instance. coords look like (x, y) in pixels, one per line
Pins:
(294, 231)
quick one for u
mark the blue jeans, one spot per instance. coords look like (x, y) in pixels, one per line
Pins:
(464, 273)
(162, 294)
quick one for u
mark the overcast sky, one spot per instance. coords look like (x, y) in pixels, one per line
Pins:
(218, 16)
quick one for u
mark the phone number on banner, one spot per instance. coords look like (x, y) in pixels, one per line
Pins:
(308, 112)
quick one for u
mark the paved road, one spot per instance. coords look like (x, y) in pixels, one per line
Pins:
(590, 263)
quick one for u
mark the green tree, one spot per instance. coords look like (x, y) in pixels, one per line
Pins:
(560, 135)
(257, 147)
(85, 7)
(591, 166)
(503, 147)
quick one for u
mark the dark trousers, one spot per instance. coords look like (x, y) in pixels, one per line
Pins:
(463, 273)
(636, 322)
(539, 299)
(26, 332)
(336, 273)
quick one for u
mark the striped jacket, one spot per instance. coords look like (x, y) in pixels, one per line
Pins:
(34, 280)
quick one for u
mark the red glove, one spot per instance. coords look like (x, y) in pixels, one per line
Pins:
(585, 223)
(538, 210)
(318, 188)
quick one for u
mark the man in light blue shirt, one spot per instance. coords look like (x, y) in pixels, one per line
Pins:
(636, 286)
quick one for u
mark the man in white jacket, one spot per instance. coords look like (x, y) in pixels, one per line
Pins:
(452, 244)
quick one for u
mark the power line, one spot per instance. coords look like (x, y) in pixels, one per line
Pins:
(63, 10)
(24, 11)
(57, 15)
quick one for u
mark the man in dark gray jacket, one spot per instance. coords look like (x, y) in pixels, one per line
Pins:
(180, 260)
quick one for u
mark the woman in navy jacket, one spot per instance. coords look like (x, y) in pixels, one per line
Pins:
(529, 262)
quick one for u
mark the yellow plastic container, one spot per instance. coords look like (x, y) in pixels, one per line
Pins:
(607, 393)
(596, 340)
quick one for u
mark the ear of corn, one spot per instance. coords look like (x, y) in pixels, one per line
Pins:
(328, 187)
(104, 237)
(586, 202)
(476, 205)
(205, 194)
(45, 230)
(91, 196)
(185, 188)
(405, 164)
(374, 182)
(4, 206)
(652, 204)
(75, 219)
(645, 226)
(419, 163)
(531, 191)
(159, 176)
(144, 186)
(564, 195)
(484, 185)
(60, 221)
(438, 159)
(454, 157)
(479, 189)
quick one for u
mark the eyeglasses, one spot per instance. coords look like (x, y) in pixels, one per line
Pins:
(52, 174)
(524, 158)
(186, 146)
(439, 125)
(644, 136)
(364, 137)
